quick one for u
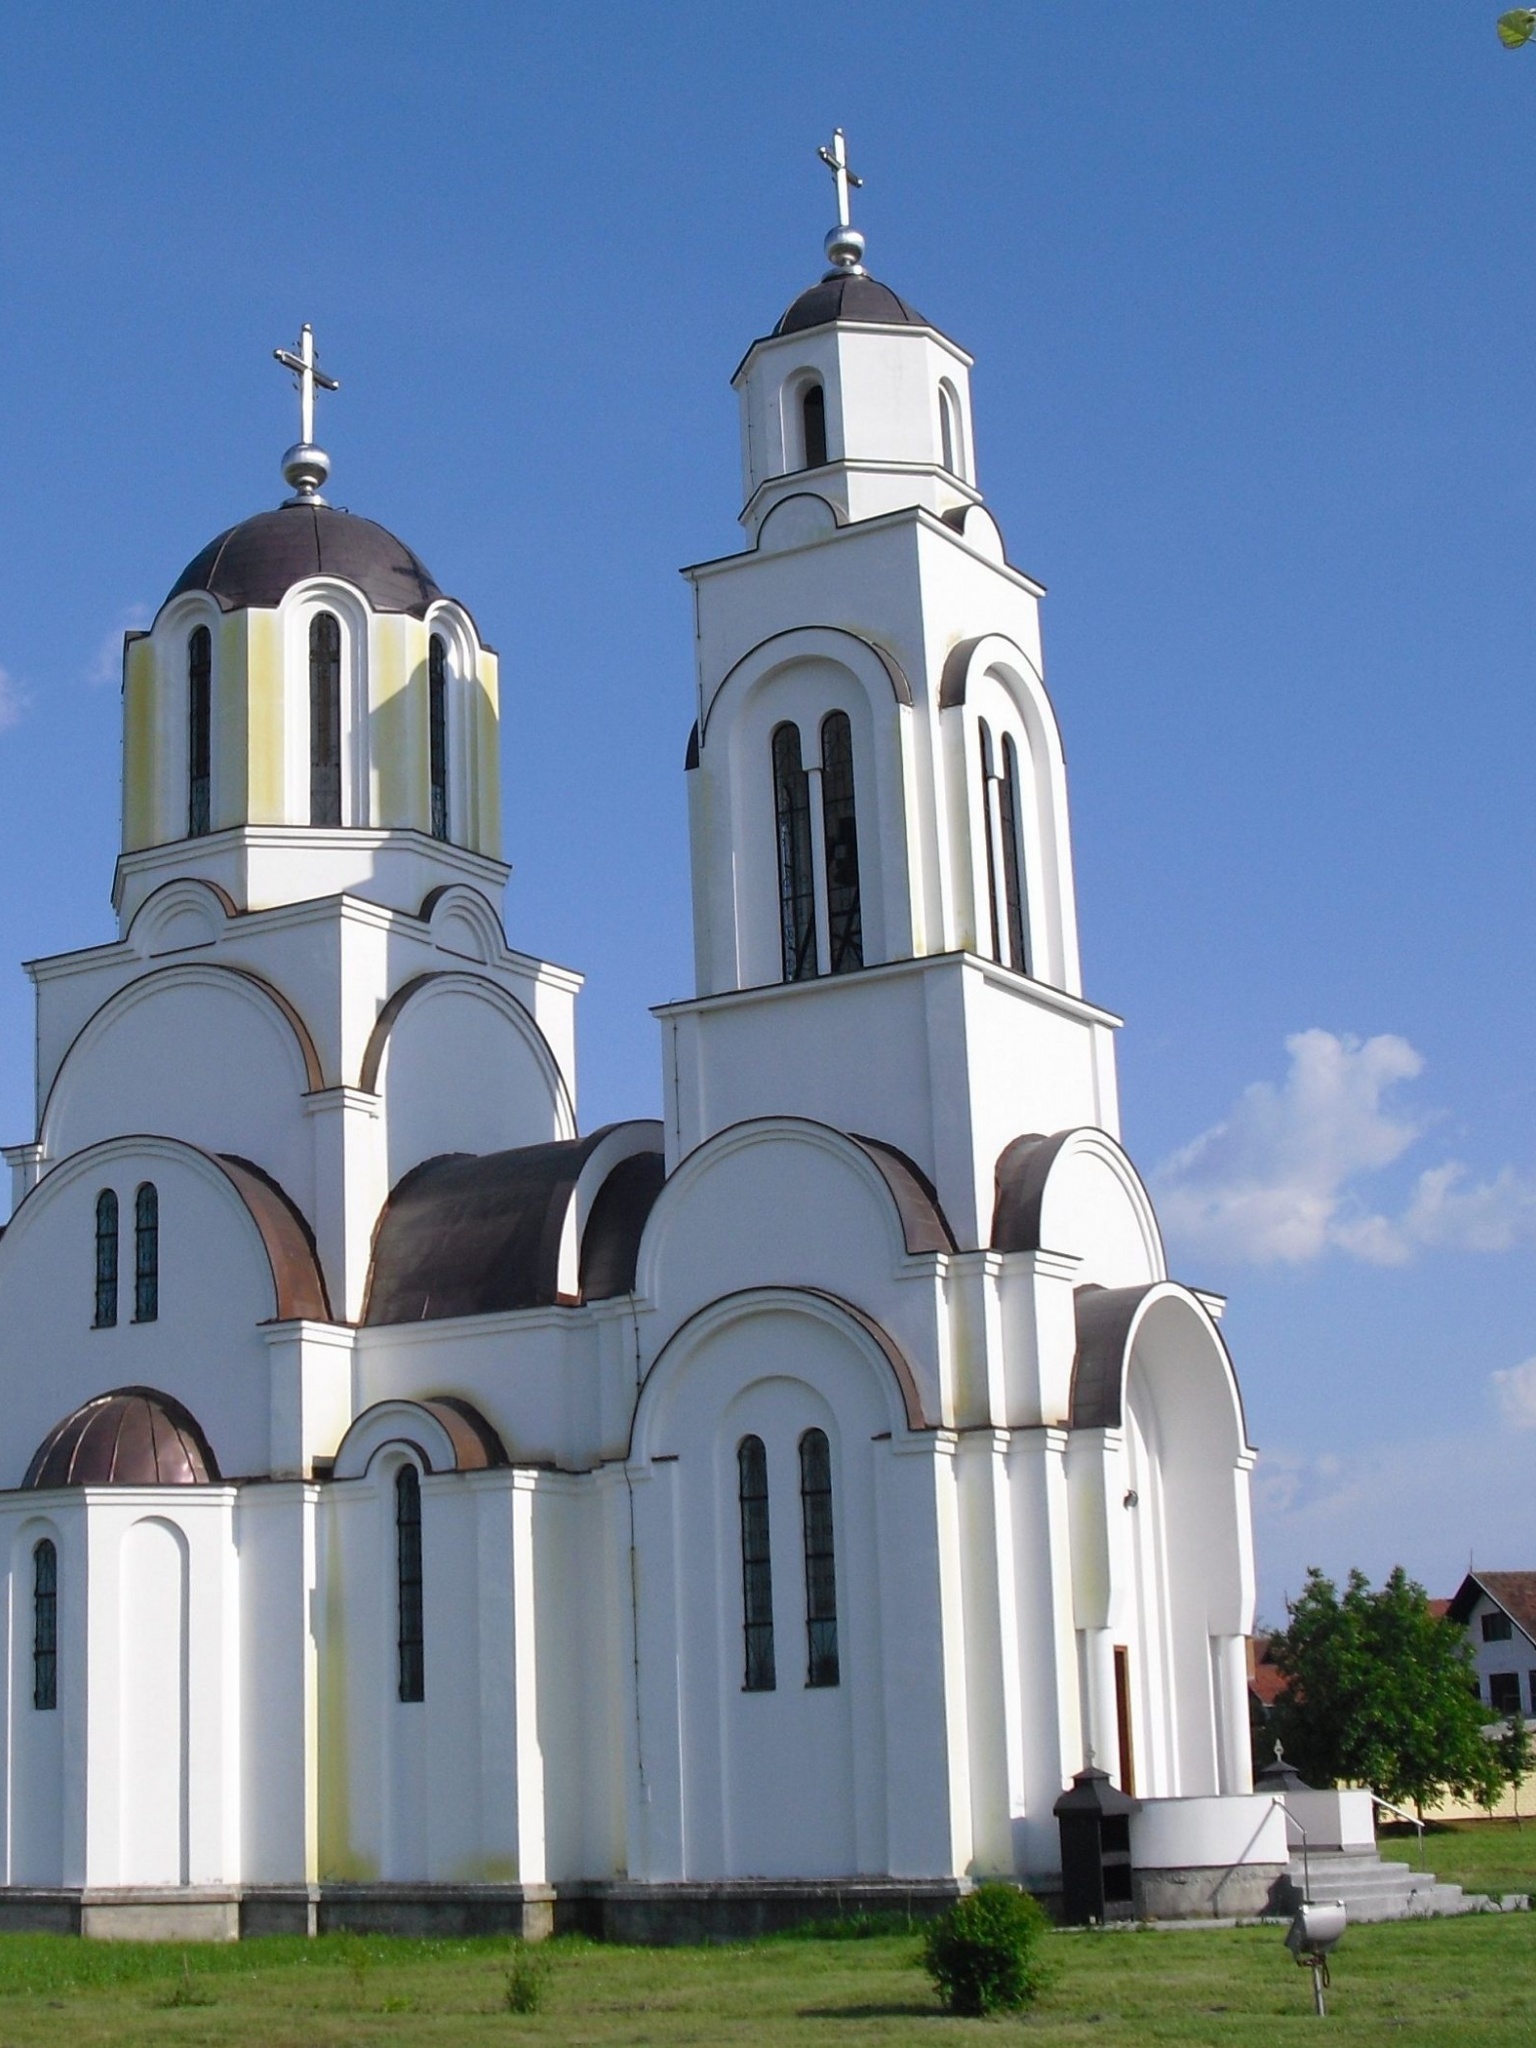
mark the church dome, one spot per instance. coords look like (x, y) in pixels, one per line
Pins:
(852, 297)
(260, 560)
(133, 1437)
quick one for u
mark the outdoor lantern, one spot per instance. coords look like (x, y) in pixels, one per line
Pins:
(1313, 1935)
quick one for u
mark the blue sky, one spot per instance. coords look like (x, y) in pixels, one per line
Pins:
(1251, 297)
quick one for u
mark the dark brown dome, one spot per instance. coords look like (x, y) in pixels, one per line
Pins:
(850, 297)
(133, 1437)
(259, 561)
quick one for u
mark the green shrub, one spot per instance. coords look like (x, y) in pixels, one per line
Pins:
(527, 1979)
(985, 1954)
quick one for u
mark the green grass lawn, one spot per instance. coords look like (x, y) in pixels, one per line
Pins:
(1481, 1855)
(1466, 1982)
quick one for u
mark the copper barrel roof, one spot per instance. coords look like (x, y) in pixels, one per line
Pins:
(132, 1437)
(471, 1234)
(260, 560)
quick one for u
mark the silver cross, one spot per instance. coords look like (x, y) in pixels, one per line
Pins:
(307, 376)
(836, 161)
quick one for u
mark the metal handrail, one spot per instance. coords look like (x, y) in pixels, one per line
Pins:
(1402, 1813)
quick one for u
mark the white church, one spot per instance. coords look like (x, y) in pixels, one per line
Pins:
(417, 1511)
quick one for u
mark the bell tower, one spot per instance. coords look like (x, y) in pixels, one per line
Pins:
(885, 927)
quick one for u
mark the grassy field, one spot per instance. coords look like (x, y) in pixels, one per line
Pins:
(1481, 1855)
(1466, 1982)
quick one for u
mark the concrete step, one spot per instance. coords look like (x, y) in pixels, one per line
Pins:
(1374, 1889)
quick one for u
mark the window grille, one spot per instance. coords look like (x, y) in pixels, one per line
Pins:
(797, 887)
(988, 781)
(324, 720)
(146, 1254)
(821, 1667)
(411, 1641)
(1013, 871)
(45, 1627)
(845, 929)
(199, 732)
(756, 1566)
(437, 733)
(106, 1260)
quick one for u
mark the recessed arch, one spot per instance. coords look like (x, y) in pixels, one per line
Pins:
(1032, 1179)
(442, 980)
(444, 1432)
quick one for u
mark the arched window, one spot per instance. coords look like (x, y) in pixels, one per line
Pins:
(1000, 797)
(1013, 866)
(324, 720)
(413, 1665)
(199, 732)
(106, 1260)
(146, 1254)
(756, 1566)
(949, 431)
(813, 425)
(437, 733)
(988, 783)
(820, 1562)
(797, 883)
(845, 932)
(45, 1627)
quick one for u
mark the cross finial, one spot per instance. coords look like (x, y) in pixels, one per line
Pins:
(305, 466)
(844, 245)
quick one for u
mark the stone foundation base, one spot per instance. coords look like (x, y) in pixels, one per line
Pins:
(652, 1915)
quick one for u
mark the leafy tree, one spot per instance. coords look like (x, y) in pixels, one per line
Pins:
(1517, 27)
(1512, 1746)
(1381, 1693)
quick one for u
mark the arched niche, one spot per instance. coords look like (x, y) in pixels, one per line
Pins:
(1077, 1191)
(800, 678)
(208, 1054)
(434, 1030)
(991, 680)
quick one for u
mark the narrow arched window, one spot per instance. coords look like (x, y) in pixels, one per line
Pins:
(324, 720)
(949, 431)
(797, 882)
(199, 733)
(45, 1627)
(845, 930)
(146, 1254)
(756, 1566)
(813, 423)
(820, 1561)
(106, 1260)
(409, 1636)
(437, 733)
(1009, 808)
(988, 802)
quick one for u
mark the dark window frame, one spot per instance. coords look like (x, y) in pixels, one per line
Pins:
(758, 1669)
(199, 733)
(107, 1232)
(146, 1253)
(410, 1616)
(813, 426)
(1497, 1627)
(817, 1528)
(437, 733)
(1015, 914)
(325, 805)
(792, 833)
(45, 1625)
(1504, 1692)
(840, 831)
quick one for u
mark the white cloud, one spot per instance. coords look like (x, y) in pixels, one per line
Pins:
(12, 700)
(1514, 1389)
(107, 664)
(1276, 1181)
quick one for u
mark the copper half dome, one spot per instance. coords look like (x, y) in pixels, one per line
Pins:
(132, 1437)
